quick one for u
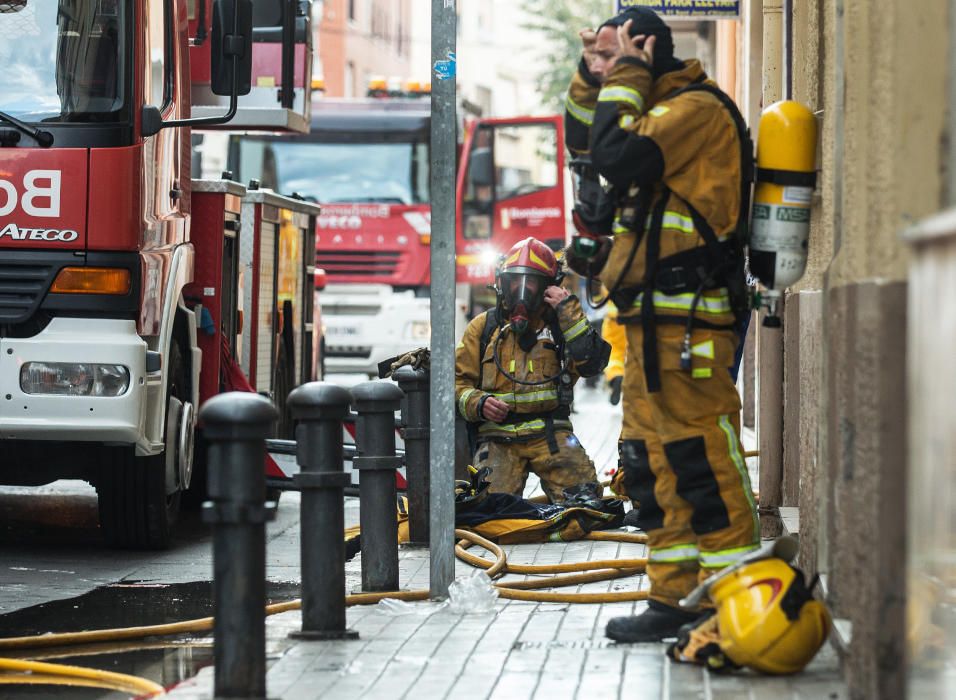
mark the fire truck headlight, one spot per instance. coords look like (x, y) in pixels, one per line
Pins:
(73, 379)
(111, 380)
(419, 330)
(489, 256)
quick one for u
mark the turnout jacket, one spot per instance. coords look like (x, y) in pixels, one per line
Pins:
(683, 149)
(477, 377)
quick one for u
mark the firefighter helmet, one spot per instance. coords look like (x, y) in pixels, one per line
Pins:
(527, 269)
(767, 617)
(532, 257)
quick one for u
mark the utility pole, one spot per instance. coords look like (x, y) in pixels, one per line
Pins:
(442, 397)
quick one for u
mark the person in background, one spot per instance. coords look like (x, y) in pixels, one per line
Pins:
(615, 336)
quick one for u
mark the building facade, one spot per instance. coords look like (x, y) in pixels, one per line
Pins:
(358, 40)
(871, 469)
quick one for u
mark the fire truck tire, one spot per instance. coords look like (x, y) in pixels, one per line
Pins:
(283, 385)
(136, 512)
(198, 492)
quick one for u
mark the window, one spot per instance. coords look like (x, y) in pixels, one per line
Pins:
(159, 52)
(391, 172)
(506, 161)
(64, 61)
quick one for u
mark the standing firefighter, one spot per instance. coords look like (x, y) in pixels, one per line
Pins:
(515, 370)
(674, 160)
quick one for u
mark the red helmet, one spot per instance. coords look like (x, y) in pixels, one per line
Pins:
(531, 256)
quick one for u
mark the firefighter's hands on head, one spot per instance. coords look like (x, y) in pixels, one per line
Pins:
(589, 42)
(640, 46)
(555, 295)
(494, 409)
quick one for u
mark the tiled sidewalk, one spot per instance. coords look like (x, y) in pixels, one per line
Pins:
(521, 650)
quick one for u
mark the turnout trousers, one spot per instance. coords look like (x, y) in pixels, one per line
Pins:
(683, 461)
(511, 462)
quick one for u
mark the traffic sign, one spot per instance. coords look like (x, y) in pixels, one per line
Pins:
(700, 9)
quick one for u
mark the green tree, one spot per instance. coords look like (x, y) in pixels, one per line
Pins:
(556, 24)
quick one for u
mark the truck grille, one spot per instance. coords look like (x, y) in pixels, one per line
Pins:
(345, 263)
(22, 287)
(337, 308)
(353, 351)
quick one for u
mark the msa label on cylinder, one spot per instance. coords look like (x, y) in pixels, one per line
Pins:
(777, 227)
(783, 231)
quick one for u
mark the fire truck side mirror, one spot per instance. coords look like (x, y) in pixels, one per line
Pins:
(231, 50)
(481, 170)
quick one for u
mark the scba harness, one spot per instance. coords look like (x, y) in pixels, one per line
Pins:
(715, 265)
(561, 381)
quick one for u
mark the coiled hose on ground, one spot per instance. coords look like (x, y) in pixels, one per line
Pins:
(35, 672)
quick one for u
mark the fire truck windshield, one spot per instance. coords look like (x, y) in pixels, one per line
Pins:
(387, 173)
(62, 60)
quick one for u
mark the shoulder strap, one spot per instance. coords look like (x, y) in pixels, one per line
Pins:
(558, 335)
(651, 361)
(491, 323)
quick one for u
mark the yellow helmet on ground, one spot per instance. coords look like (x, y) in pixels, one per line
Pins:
(767, 617)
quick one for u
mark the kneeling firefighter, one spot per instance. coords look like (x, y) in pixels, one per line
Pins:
(673, 160)
(515, 370)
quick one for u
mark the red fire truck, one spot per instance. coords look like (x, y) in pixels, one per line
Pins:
(367, 162)
(125, 284)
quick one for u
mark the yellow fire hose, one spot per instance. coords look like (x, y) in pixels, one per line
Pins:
(33, 672)
(38, 672)
(113, 648)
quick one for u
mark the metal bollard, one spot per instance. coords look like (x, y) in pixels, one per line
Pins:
(320, 407)
(236, 426)
(415, 419)
(376, 403)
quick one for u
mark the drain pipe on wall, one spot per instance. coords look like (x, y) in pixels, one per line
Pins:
(770, 339)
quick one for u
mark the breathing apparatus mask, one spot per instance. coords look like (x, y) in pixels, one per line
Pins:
(593, 213)
(523, 294)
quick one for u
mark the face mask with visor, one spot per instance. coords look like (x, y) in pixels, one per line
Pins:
(523, 294)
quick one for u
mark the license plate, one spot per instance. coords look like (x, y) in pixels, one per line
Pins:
(342, 331)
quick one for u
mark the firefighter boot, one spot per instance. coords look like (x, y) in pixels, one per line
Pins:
(615, 385)
(655, 624)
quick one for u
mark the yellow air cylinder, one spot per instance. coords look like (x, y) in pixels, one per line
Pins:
(786, 177)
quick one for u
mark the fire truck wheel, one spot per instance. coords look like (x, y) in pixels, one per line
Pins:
(138, 508)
